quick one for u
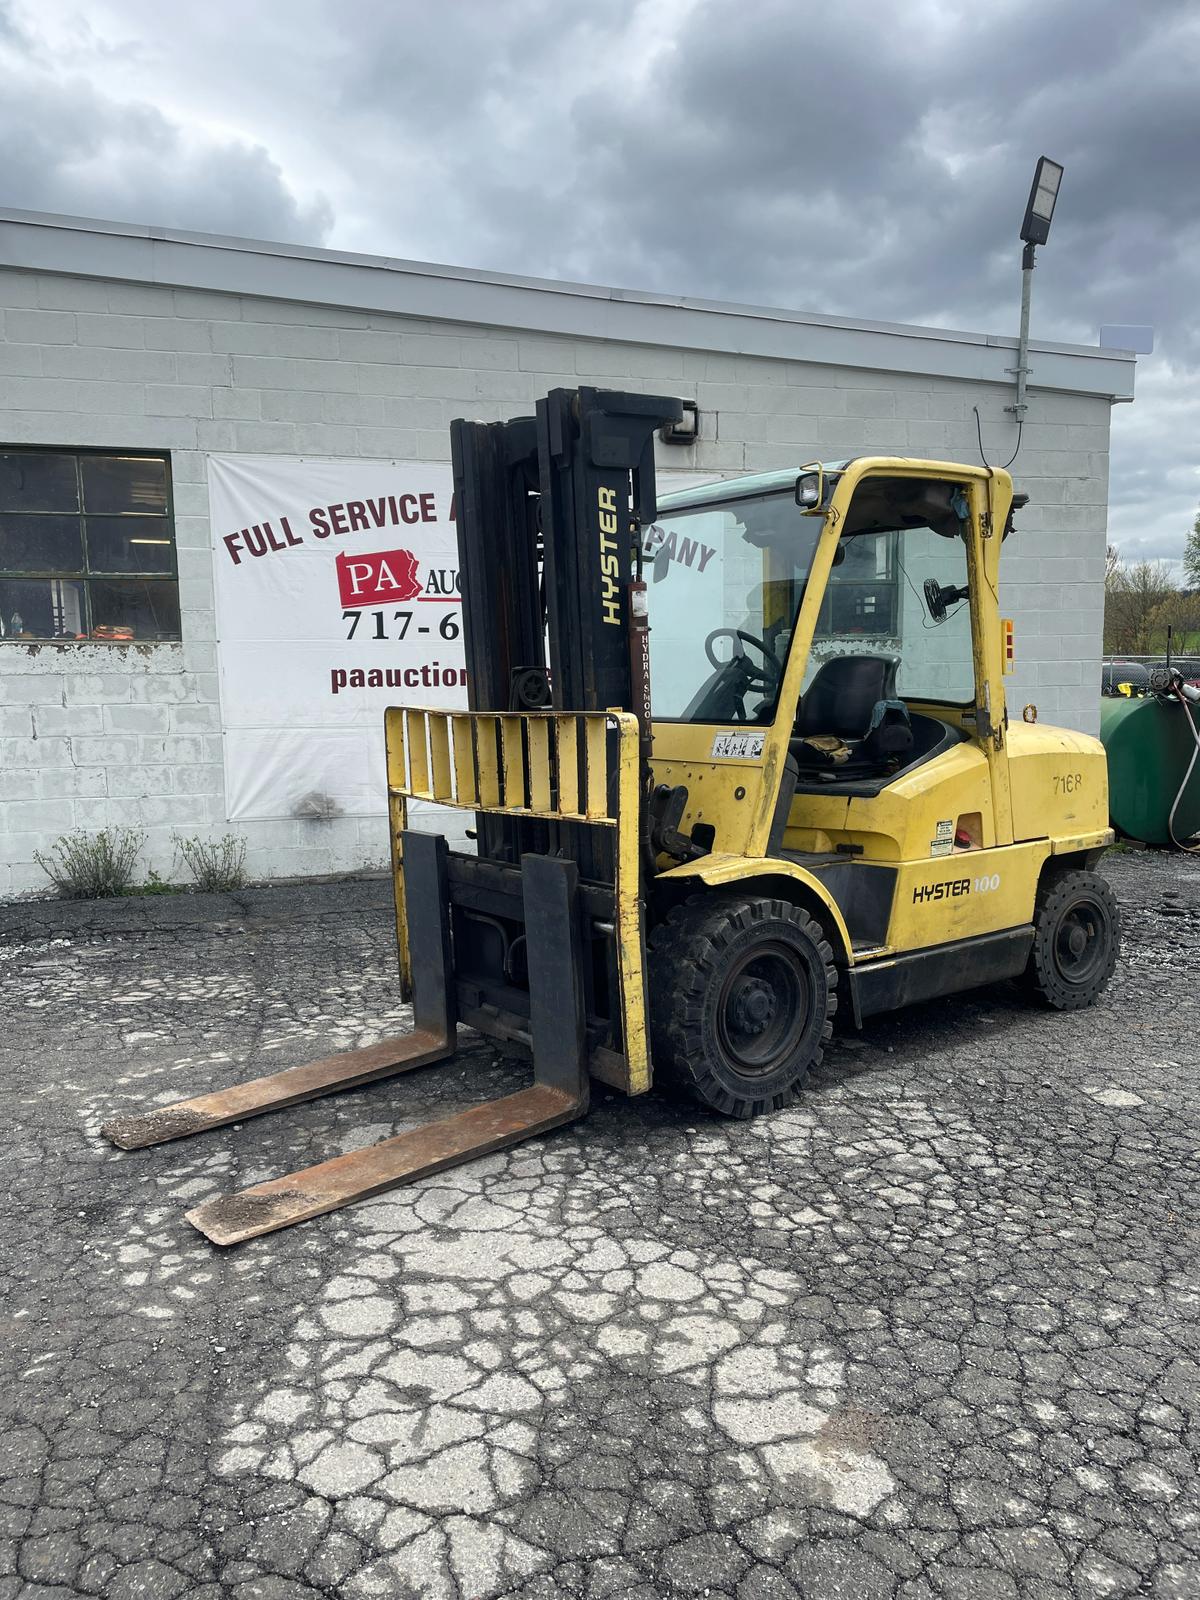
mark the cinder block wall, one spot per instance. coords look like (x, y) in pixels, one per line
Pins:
(94, 735)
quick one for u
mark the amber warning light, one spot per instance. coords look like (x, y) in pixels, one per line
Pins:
(1009, 656)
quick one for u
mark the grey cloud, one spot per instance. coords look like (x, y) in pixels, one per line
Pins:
(70, 148)
(828, 157)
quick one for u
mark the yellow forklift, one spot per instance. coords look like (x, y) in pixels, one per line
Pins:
(806, 792)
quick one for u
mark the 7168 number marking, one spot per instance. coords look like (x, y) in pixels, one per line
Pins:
(1067, 782)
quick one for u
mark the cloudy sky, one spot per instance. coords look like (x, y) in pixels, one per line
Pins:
(863, 158)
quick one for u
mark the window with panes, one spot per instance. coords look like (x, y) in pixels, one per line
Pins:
(87, 546)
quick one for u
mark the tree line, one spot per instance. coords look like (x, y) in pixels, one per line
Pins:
(1143, 599)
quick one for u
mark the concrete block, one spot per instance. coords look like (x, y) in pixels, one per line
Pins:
(96, 813)
(17, 783)
(177, 750)
(178, 400)
(82, 783)
(91, 398)
(19, 288)
(274, 339)
(190, 500)
(215, 435)
(66, 720)
(207, 370)
(386, 442)
(21, 689)
(237, 405)
(265, 437)
(369, 345)
(127, 366)
(113, 332)
(22, 360)
(194, 719)
(631, 361)
(721, 396)
(138, 781)
(547, 355)
(912, 404)
(39, 327)
(182, 811)
(294, 372)
(140, 299)
(429, 350)
(291, 405)
(353, 410)
(518, 389)
(98, 688)
(870, 402)
(1061, 672)
(202, 780)
(45, 816)
(326, 439)
(166, 688)
(776, 399)
(105, 752)
(20, 848)
(168, 333)
(765, 428)
(489, 355)
(409, 411)
(19, 722)
(147, 719)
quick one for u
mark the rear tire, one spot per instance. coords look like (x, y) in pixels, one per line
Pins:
(1076, 940)
(741, 1000)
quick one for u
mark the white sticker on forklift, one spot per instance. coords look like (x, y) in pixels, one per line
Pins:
(737, 746)
(941, 847)
(944, 832)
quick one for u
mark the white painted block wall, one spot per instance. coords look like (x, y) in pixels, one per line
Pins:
(94, 735)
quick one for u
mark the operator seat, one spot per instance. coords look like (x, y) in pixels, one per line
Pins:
(851, 719)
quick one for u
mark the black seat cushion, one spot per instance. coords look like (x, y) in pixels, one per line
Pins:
(852, 709)
(842, 697)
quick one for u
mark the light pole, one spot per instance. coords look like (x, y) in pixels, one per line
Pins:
(1035, 230)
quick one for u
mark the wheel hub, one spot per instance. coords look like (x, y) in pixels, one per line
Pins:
(752, 1006)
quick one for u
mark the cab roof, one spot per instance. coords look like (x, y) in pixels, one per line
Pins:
(755, 483)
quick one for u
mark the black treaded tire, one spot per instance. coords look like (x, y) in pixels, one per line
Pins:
(1076, 938)
(742, 995)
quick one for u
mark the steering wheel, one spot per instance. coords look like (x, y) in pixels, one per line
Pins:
(766, 676)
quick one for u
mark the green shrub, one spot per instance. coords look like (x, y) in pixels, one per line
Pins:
(217, 865)
(91, 866)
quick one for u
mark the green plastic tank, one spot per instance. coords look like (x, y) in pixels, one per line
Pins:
(1149, 745)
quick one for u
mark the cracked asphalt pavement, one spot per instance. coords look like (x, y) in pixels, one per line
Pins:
(934, 1333)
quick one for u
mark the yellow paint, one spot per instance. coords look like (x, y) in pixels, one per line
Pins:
(1022, 792)
(512, 765)
(722, 871)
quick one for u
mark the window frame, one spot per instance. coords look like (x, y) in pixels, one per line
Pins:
(86, 577)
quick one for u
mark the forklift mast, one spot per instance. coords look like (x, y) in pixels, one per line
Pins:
(549, 513)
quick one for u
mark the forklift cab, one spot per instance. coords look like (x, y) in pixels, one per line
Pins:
(844, 628)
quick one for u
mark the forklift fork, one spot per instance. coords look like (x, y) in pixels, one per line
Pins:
(558, 1094)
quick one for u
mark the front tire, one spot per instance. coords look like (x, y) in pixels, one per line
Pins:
(1076, 939)
(741, 1000)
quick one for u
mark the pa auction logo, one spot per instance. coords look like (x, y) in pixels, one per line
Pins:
(377, 578)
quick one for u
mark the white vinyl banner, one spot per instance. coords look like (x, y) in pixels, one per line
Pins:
(337, 595)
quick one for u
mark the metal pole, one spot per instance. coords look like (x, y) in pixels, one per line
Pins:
(1022, 367)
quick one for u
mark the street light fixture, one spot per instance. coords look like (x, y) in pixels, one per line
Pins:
(1039, 213)
(1035, 230)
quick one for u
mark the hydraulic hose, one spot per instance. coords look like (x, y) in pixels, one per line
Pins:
(1186, 700)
